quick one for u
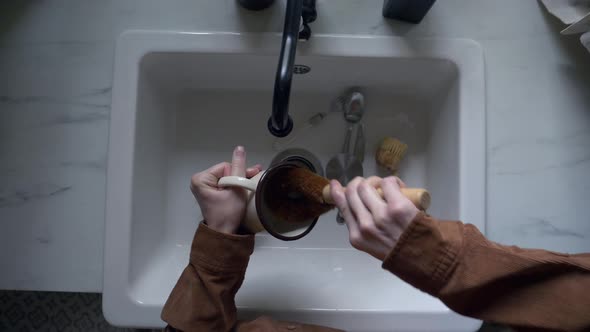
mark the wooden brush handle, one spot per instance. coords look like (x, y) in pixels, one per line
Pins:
(418, 196)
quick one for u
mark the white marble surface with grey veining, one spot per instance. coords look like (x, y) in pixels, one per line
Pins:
(56, 59)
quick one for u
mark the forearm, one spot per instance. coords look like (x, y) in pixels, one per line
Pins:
(203, 298)
(485, 280)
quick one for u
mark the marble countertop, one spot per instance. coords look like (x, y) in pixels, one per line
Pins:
(56, 61)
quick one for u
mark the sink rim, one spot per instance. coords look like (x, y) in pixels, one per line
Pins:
(119, 307)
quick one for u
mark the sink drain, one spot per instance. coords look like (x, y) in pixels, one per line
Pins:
(301, 69)
(299, 155)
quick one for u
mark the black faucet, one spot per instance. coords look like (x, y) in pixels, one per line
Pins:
(297, 16)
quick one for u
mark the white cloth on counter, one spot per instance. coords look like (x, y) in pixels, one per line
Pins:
(575, 13)
(585, 39)
(568, 11)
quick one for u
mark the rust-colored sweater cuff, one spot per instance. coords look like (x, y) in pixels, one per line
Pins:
(220, 252)
(426, 253)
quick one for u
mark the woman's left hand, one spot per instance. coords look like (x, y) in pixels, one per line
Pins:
(223, 208)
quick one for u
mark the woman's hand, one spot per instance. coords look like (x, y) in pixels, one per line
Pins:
(223, 208)
(374, 223)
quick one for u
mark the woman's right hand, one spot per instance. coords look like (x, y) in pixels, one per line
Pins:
(374, 223)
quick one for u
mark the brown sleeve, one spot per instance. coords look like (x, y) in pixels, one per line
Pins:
(526, 288)
(203, 298)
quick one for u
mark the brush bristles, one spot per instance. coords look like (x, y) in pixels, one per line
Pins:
(296, 195)
(306, 183)
(390, 153)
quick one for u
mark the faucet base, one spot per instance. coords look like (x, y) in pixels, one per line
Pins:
(280, 132)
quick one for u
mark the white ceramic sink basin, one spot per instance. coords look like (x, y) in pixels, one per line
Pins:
(182, 101)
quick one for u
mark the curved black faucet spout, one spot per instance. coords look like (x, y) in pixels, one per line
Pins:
(298, 13)
(280, 123)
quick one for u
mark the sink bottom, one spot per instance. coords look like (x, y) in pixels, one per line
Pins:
(200, 128)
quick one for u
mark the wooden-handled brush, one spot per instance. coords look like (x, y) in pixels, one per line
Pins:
(300, 194)
(317, 188)
(418, 196)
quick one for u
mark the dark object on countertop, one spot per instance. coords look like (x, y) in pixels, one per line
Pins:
(412, 11)
(256, 4)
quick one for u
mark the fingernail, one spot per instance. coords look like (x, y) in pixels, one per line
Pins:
(239, 151)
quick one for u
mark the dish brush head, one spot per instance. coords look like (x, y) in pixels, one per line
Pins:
(296, 195)
(390, 153)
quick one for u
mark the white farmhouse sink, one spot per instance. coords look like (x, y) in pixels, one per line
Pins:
(182, 101)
